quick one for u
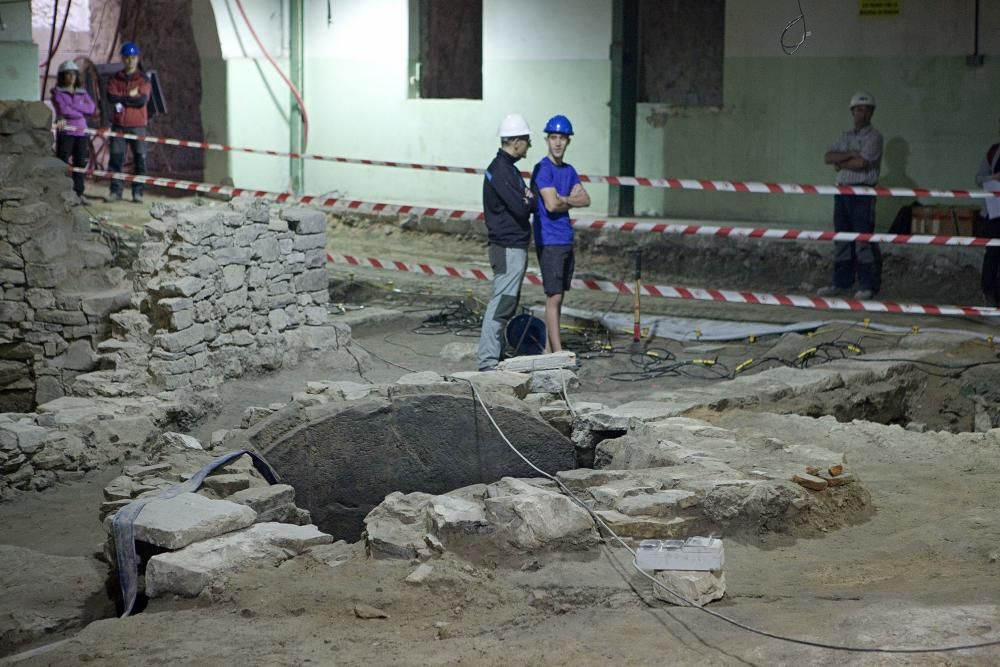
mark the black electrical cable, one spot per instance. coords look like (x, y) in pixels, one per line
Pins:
(790, 48)
(385, 339)
(380, 358)
(722, 617)
(457, 318)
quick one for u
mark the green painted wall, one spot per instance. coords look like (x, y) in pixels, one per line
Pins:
(779, 116)
(937, 116)
(18, 54)
(18, 71)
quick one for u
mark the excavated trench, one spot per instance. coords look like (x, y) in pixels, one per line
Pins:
(912, 399)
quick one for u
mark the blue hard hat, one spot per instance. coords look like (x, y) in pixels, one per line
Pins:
(559, 124)
(129, 49)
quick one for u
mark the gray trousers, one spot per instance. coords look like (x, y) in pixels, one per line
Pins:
(509, 266)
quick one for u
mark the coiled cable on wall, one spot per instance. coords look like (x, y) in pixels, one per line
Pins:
(791, 48)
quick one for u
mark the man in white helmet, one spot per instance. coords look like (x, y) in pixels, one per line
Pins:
(857, 158)
(507, 203)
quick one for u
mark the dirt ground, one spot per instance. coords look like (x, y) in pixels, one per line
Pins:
(924, 569)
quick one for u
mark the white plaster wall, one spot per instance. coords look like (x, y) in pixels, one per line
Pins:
(269, 19)
(357, 93)
(542, 57)
(18, 55)
(546, 30)
(923, 28)
(79, 14)
(17, 17)
(375, 31)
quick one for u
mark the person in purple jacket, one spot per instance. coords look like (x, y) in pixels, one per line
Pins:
(72, 104)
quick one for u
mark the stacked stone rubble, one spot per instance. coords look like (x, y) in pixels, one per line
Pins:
(218, 291)
(232, 289)
(233, 521)
(57, 284)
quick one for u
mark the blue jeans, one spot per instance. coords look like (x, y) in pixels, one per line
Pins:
(509, 266)
(856, 213)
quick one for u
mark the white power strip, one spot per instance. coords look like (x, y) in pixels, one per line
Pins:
(694, 553)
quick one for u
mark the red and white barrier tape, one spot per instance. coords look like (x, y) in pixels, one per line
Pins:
(689, 293)
(581, 223)
(638, 181)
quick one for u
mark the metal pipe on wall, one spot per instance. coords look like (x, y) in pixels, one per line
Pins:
(296, 58)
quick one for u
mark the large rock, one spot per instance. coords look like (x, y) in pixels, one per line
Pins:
(553, 381)
(190, 570)
(396, 527)
(516, 384)
(632, 452)
(267, 501)
(530, 518)
(664, 504)
(454, 520)
(697, 587)
(177, 522)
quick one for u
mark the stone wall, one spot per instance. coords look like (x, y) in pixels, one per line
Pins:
(57, 285)
(232, 289)
(216, 291)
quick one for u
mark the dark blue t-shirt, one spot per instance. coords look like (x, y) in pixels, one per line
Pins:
(552, 228)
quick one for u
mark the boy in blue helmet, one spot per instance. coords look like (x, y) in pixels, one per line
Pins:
(128, 92)
(558, 189)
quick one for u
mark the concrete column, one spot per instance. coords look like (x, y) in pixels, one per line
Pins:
(624, 94)
(18, 53)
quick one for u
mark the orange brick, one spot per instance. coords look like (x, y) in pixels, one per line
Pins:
(811, 482)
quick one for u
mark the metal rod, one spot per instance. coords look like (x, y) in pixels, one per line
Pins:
(296, 58)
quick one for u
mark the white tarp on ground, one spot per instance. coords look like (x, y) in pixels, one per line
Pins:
(685, 329)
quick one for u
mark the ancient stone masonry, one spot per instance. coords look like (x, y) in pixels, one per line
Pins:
(216, 291)
(57, 285)
(232, 289)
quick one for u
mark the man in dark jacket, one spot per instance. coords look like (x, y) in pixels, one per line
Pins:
(507, 203)
(128, 92)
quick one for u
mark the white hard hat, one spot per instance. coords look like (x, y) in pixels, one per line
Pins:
(862, 99)
(69, 66)
(513, 125)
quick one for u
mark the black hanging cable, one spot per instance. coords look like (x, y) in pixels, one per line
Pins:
(791, 48)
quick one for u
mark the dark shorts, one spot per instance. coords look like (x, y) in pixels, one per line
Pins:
(557, 263)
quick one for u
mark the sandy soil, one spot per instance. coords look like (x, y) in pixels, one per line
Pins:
(918, 572)
(923, 570)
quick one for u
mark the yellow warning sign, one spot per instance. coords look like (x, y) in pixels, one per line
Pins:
(880, 7)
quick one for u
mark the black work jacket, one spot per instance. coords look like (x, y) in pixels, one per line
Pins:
(508, 213)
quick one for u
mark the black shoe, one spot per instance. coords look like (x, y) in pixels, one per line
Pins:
(137, 198)
(113, 197)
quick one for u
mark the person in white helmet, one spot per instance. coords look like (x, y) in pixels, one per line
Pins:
(857, 158)
(72, 104)
(507, 204)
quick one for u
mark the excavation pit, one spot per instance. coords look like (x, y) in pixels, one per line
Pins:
(344, 458)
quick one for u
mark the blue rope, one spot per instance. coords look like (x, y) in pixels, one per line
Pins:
(123, 523)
